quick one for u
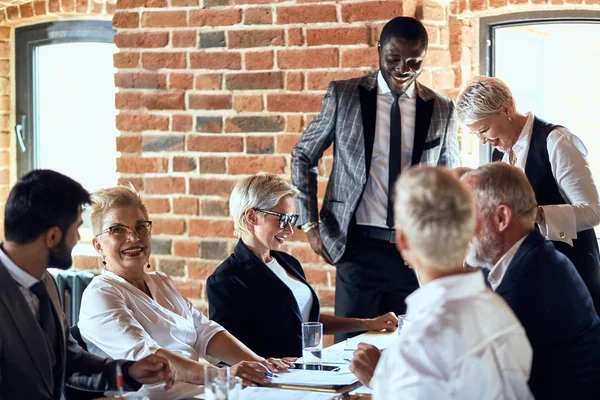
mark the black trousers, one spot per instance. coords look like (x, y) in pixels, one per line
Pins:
(371, 280)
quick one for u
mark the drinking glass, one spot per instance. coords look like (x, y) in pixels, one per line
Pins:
(403, 323)
(312, 342)
(216, 383)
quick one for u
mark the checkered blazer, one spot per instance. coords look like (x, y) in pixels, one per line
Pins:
(347, 120)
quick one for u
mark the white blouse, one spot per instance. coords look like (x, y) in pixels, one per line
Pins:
(300, 291)
(120, 321)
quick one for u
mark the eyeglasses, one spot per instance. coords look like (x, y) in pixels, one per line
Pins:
(284, 219)
(120, 231)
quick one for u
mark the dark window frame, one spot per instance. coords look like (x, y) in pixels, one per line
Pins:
(27, 40)
(487, 30)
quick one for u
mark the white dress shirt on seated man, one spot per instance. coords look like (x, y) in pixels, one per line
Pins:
(464, 343)
(118, 320)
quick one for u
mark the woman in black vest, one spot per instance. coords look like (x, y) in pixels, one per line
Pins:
(555, 163)
(260, 294)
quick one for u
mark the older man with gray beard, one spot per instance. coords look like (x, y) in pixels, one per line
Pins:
(540, 284)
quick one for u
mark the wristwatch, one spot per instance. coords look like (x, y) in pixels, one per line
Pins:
(308, 226)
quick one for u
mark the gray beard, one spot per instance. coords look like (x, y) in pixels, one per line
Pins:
(485, 248)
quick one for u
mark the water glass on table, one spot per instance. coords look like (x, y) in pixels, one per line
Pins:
(403, 323)
(312, 342)
(219, 385)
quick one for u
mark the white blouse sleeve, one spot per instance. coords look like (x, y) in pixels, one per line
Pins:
(107, 323)
(205, 330)
(571, 170)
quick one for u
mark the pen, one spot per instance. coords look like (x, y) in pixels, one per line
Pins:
(269, 374)
(119, 380)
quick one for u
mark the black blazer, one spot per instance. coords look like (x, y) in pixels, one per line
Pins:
(25, 368)
(255, 306)
(550, 299)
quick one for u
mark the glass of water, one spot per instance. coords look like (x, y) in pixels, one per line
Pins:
(312, 342)
(216, 383)
(403, 323)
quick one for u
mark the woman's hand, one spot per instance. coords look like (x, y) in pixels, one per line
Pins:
(280, 364)
(253, 373)
(388, 321)
(364, 361)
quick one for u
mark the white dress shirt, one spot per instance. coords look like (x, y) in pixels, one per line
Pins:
(300, 291)
(372, 208)
(573, 176)
(120, 321)
(24, 282)
(499, 270)
(464, 343)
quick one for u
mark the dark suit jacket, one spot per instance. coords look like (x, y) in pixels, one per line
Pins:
(347, 120)
(255, 306)
(25, 368)
(550, 299)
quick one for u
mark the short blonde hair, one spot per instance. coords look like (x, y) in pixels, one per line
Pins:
(113, 197)
(483, 96)
(435, 211)
(262, 191)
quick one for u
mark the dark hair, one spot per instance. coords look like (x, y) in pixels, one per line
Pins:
(40, 200)
(403, 27)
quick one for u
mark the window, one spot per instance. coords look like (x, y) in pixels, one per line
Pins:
(65, 102)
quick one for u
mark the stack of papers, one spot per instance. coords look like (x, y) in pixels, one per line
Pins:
(301, 377)
(261, 393)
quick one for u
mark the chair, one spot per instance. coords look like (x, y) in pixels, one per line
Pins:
(79, 394)
(71, 285)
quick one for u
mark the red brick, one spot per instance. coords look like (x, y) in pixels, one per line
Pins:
(126, 20)
(254, 164)
(319, 80)
(433, 11)
(286, 143)
(211, 187)
(168, 226)
(437, 58)
(126, 60)
(156, 60)
(295, 37)
(477, 5)
(184, 164)
(128, 100)
(216, 144)
(184, 38)
(186, 248)
(129, 144)
(208, 17)
(209, 102)
(258, 60)
(130, 165)
(211, 228)
(260, 144)
(182, 123)
(164, 101)
(67, 5)
(215, 60)
(201, 269)
(213, 165)
(240, 124)
(256, 1)
(12, 13)
(138, 183)
(189, 289)
(137, 123)
(26, 10)
(209, 82)
(371, 11)
(5, 32)
(443, 78)
(164, 185)
(294, 102)
(184, 3)
(181, 81)
(214, 207)
(361, 57)
(81, 6)
(459, 6)
(156, 3)
(39, 7)
(326, 297)
(147, 40)
(5, 100)
(128, 4)
(209, 124)
(255, 16)
(140, 80)
(164, 19)
(185, 205)
(546, 2)
(98, 8)
(247, 103)
(254, 81)
(254, 38)
(306, 14)
(294, 81)
(351, 36)
(308, 58)
(157, 205)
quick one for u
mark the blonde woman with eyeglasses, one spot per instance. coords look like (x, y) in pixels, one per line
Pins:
(129, 313)
(260, 293)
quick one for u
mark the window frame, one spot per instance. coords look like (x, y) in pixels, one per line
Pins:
(27, 40)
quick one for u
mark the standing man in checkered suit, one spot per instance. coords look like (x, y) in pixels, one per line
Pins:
(379, 126)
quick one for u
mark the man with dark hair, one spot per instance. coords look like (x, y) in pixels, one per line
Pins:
(540, 285)
(38, 355)
(381, 124)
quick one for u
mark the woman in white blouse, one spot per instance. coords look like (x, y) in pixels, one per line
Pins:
(259, 286)
(128, 313)
(555, 162)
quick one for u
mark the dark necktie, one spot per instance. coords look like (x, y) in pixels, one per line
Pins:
(395, 157)
(48, 323)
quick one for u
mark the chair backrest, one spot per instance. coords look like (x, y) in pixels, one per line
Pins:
(71, 285)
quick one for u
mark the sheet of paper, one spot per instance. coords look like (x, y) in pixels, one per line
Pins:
(334, 356)
(381, 341)
(261, 393)
(316, 378)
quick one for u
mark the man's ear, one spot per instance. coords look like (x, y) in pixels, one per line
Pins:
(503, 217)
(52, 237)
(378, 48)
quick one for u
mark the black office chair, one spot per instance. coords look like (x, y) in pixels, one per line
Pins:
(78, 394)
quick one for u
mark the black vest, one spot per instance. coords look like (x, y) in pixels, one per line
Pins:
(584, 252)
